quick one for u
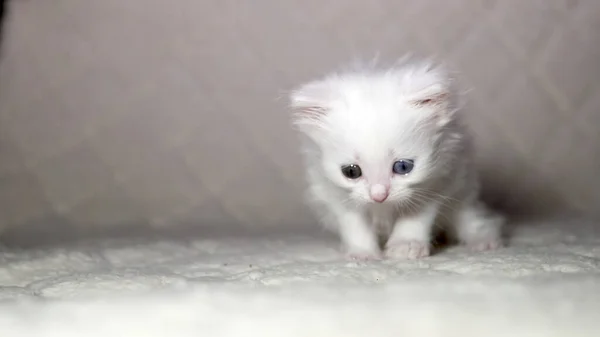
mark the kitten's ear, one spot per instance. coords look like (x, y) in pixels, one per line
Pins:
(310, 103)
(436, 100)
(436, 96)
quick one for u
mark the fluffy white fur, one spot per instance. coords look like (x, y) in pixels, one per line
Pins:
(545, 284)
(455, 308)
(371, 118)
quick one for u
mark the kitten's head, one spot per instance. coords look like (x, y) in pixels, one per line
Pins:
(379, 132)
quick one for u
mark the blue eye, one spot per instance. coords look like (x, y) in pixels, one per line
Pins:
(403, 166)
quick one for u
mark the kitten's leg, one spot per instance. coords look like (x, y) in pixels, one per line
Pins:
(358, 237)
(411, 236)
(477, 228)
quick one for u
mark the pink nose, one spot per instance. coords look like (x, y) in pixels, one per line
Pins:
(379, 193)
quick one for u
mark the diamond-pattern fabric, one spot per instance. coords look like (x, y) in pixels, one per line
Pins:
(155, 113)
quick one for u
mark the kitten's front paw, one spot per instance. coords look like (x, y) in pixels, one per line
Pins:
(363, 254)
(483, 245)
(410, 250)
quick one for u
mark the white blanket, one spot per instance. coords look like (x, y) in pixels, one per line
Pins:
(546, 283)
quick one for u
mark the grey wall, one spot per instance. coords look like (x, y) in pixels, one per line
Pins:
(123, 114)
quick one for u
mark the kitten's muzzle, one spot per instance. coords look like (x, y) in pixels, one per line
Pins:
(379, 193)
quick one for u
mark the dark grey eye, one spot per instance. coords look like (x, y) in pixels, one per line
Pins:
(403, 166)
(351, 171)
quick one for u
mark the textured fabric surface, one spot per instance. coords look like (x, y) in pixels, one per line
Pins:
(146, 113)
(546, 283)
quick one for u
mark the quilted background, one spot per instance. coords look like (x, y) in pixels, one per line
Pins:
(148, 113)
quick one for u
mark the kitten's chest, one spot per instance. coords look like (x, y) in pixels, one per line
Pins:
(382, 217)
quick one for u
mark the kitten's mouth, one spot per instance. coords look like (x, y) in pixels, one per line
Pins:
(383, 201)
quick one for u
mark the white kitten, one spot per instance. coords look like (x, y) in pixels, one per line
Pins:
(387, 155)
